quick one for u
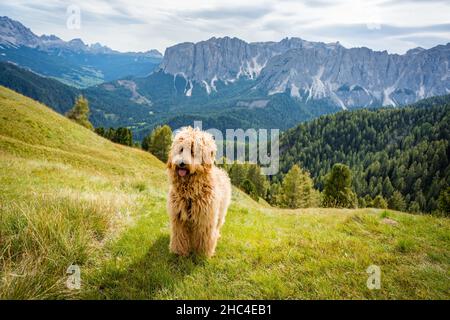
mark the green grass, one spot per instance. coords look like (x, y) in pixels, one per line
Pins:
(71, 197)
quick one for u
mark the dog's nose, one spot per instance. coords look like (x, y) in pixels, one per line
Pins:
(181, 165)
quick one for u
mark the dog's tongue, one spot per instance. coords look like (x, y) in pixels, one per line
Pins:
(182, 172)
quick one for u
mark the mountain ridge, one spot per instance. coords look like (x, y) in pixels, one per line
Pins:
(72, 62)
(14, 33)
(354, 77)
(51, 92)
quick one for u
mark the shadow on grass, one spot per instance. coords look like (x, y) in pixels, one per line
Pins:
(159, 270)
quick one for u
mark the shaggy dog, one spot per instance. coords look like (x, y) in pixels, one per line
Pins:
(199, 194)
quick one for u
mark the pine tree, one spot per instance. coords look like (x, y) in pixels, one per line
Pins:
(379, 202)
(80, 113)
(123, 136)
(292, 188)
(297, 189)
(255, 176)
(414, 207)
(444, 202)
(250, 189)
(110, 134)
(420, 199)
(100, 131)
(397, 202)
(237, 173)
(362, 203)
(337, 190)
(368, 200)
(146, 142)
(274, 194)
(388, 189)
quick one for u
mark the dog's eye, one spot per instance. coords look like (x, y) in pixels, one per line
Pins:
(181, 150)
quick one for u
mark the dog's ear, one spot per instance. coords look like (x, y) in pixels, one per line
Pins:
(208, 150)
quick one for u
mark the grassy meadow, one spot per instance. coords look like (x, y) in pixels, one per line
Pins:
(68, 196)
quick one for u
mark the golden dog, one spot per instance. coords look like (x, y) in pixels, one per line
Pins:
(199, 194)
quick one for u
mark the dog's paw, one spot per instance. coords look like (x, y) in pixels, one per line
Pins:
(178, 252)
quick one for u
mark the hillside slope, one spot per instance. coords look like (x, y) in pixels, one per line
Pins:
(108, 107)
(60, 97)
(71, 197)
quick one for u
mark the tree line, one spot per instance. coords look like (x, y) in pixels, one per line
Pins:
(157, 142)
(119, 135)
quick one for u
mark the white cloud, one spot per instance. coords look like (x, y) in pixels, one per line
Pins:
(137, 25)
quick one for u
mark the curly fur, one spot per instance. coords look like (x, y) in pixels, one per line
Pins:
(198, 201)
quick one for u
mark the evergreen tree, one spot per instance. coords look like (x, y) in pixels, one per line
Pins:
(388, 189)
(362, 203)
(123, 136)
(379, 202)
(397, 202)
(420, 199)
(146, 142)
(297, 189)
(158, 142)
(100, 131)
(237, 173)
(369, 201)
(414, 207)
(250, 189)
(337, 190)
(274, 194)
(444, 202)
(120, 135)
(258, 179)
(110, 134)
(80, 113)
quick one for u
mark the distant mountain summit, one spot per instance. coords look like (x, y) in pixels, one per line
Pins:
(347, 78)
(13, 33)
(225, 59)
(72, 62)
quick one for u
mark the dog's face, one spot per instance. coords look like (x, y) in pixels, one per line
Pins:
(192, 151)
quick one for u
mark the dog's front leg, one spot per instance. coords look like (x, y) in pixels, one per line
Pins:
(179, 237)
(180, 242)
(205, 237)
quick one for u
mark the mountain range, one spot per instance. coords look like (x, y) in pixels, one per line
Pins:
(347, 78)
(224, 82)
(72, 62)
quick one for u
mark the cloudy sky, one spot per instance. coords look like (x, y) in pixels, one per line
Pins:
(393, 25)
